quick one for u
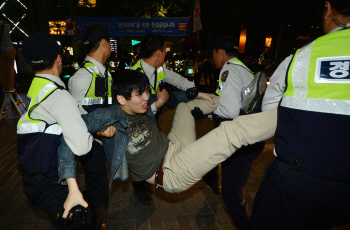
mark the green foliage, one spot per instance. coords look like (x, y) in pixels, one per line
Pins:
(154, 8)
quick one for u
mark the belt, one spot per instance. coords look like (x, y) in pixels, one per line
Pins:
(158, 181)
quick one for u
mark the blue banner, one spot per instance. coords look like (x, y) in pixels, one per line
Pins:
(130, 26)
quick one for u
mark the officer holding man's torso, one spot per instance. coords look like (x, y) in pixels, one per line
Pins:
(90, 86)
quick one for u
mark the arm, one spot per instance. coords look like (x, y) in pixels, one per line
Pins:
(277, 86)
(162, 98)
(78, 86)
(74, 130)
(230, 99)
(74, 197)
(176, 79)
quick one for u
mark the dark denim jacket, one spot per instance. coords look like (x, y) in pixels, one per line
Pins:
(114, 147)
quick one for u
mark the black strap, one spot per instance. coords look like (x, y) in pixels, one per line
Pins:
(105, 102)
(155, 79)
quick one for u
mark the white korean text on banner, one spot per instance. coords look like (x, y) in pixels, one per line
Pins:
(132, 26)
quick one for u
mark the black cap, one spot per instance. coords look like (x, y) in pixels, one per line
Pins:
(94, 33)
(40, 47)
(225, 43)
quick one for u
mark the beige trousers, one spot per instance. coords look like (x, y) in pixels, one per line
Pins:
(188, 159)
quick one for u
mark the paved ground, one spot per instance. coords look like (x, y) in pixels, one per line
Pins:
(197, 208)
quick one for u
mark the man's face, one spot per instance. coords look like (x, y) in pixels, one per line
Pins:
(162, 56)
(217, 58)
(108, 50)
(137, 104)
(60, 66)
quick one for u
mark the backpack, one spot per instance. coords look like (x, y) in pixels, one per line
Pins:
(253, 94)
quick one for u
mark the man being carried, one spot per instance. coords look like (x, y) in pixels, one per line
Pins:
(176, 162)
(153, 51)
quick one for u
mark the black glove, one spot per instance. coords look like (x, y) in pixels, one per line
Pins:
(197, 113)
(191, 93)
(79, 218)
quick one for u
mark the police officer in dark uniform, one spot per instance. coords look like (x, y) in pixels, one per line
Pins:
(308, 185)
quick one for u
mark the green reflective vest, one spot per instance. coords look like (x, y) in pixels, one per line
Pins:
(37, 141)
(312, 134)
(235, 62)
(97, 87)
(160, 75)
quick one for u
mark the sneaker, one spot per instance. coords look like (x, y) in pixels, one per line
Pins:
(143, 197)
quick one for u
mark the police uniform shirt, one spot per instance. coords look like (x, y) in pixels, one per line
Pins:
(234, 78)
(60, 107)
(169, 77)
(80, 82)
(277, 86)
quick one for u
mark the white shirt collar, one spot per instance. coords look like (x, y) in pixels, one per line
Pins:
(101, 68)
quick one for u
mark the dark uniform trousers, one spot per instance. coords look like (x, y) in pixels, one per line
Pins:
(235, 174)
(46, 194)
(290, 199)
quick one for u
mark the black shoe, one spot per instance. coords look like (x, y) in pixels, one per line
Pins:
(143, 197)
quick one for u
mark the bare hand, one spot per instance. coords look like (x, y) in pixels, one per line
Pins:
(74, 197)
(109, 132)
(162, 98)
(206, 96)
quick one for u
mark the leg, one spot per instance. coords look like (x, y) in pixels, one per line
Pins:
(140, 192)
(44, 193)
(212, 179)
(235, 174)
(183, 129)
(296, 200)
(185, 164)
(96, 181)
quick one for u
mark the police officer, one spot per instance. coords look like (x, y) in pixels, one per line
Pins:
(234, 76)
(308, 185)
(153, 51)
(90, 86)
(52, 112)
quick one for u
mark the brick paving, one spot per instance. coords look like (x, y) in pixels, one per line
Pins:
(197, 208)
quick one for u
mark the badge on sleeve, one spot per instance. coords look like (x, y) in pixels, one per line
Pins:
(333, 70)
(224, 76)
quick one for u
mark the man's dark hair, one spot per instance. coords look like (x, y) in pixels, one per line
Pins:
(230, 52)
(341, 6)
(129, 81)
(92, 37)
(41, 50)
(150, 44)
